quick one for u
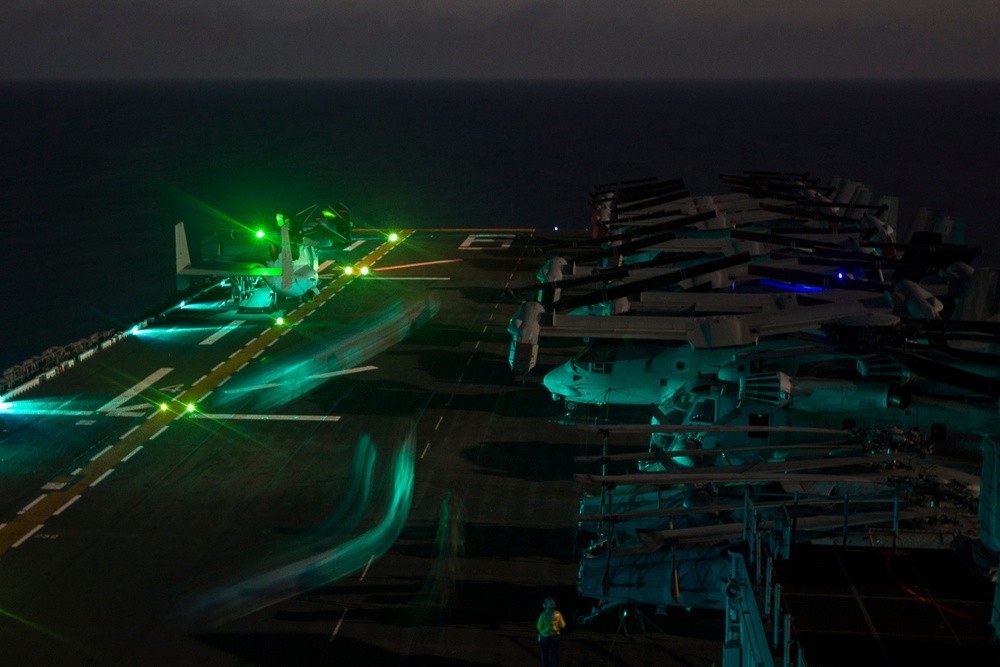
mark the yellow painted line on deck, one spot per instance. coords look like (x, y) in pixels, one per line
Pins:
(23, 526)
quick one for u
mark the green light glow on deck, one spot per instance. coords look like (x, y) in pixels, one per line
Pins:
(280, 321)
(163, 407)
(393, 237)
(260, 233)
(364, 270)
(348, 270)
(190, 407)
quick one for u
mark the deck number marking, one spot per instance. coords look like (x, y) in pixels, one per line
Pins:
(487, 242)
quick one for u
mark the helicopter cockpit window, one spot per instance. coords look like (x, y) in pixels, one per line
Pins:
(597, 359)
(703, 411)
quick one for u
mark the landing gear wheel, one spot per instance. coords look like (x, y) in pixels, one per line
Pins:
(571, 406)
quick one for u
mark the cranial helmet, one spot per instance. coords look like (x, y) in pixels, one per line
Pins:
(549, 603)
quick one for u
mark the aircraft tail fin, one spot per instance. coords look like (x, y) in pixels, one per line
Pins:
(287, 264)
(183, 255)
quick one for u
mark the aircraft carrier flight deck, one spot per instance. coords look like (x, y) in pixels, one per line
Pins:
(366, 480)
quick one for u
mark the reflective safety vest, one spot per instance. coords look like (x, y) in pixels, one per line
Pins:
(550, 622)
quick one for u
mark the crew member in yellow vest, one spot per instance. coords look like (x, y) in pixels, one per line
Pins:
(550, 624)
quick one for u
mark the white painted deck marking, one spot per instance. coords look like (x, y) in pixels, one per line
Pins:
(348, 371)
(30, 533)
(252, 417)
(101, 478)
(134, 390)
(159, 432)
(129, 432)
(66, 506)
(487, 242)
(337, 628)
(33, 503)
(370, 560)
(126, 413)
(101, 453)
(256, 387)
(132, 453)
(426, 447)
(232, 326)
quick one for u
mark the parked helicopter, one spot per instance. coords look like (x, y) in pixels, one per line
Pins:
(661, 538)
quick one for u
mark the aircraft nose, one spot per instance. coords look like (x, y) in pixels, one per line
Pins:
(557, 381)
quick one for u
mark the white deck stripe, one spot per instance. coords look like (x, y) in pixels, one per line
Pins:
(101, 478)
(134, 390)
(232, 326)
(66, 506)
(33, 503)
(101, 453)
(30, 533)
(252, 417)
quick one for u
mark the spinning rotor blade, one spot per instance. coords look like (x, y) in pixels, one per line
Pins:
(950, 375)
(607, 275)
(642, 237)
(655, 282)
(816, 279)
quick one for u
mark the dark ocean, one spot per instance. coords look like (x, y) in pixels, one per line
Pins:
(94, 176)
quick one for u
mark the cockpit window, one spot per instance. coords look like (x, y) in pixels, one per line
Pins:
(598, 358)
(703, 411)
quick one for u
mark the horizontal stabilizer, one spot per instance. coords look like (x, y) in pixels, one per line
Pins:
(221, 269)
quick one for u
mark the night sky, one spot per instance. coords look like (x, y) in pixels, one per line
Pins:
(498, 39)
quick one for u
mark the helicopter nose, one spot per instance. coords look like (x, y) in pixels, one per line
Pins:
(557, 382)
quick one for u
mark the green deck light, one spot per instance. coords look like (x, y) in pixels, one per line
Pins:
(163, 407)
(393, 237)
(260, 233)
(280, 321)
(348, 270)
(364, 270)
(280, 218)
(190, 407)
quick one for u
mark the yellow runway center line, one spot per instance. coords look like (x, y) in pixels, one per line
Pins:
(24, 525)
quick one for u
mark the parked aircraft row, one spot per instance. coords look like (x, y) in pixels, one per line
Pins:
(800, 364)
